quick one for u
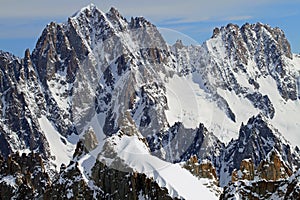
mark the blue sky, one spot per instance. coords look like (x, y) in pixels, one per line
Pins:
(21, 22)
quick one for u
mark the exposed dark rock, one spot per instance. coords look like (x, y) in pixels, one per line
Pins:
(70, 184)
(19, 123)
(263, 103)
(90, 139)
(205, 169)
(273, 168)
(256, 140)
(23, 177)
(245, 172)
(126, 185)
(180, 144)
(287, 189)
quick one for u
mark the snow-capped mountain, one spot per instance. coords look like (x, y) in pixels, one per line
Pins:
(103, 101)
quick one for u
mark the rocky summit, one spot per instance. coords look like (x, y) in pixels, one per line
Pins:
(104, 108)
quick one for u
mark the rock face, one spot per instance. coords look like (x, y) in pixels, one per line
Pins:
(70, 184)
(273, 168)
(203, 170)
(257, 140)
(256, 190)
(246, 171)
(90, 139)
(253, 51)
(262, 189)
(123, 185)
(269, 180)
(22, 103)
(180, 144)
(253, 42)
(23, 176)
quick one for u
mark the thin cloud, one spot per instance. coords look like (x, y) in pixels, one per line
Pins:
(178, 21)
(192, 10)
(38, 8)
(238, 18)
(23, 28)
(161, 13)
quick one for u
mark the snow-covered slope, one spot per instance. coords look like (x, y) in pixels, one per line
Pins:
(244, 71)
(136, 155)
(59, 146)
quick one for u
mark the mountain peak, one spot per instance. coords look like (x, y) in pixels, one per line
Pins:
(114, 11)
(89, 7)
(6, 55)
(140, 22)
(116, 17)
(87, 10)
(92, 10)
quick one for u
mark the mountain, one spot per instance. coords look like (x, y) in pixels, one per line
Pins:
(104, 108)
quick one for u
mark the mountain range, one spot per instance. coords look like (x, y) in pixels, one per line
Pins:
(104, 108)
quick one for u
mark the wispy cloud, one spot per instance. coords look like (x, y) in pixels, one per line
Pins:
(175, 14)
(23, 28)
(191, 10)
(238, 18)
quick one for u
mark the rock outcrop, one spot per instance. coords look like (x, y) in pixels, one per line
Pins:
(257, 140)
(262, 189)
(273, 168)
(23, 176)
(205, 169)
(125, 185)
(269, 180)
(70, 184)
(179, 144)
(245, 172)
